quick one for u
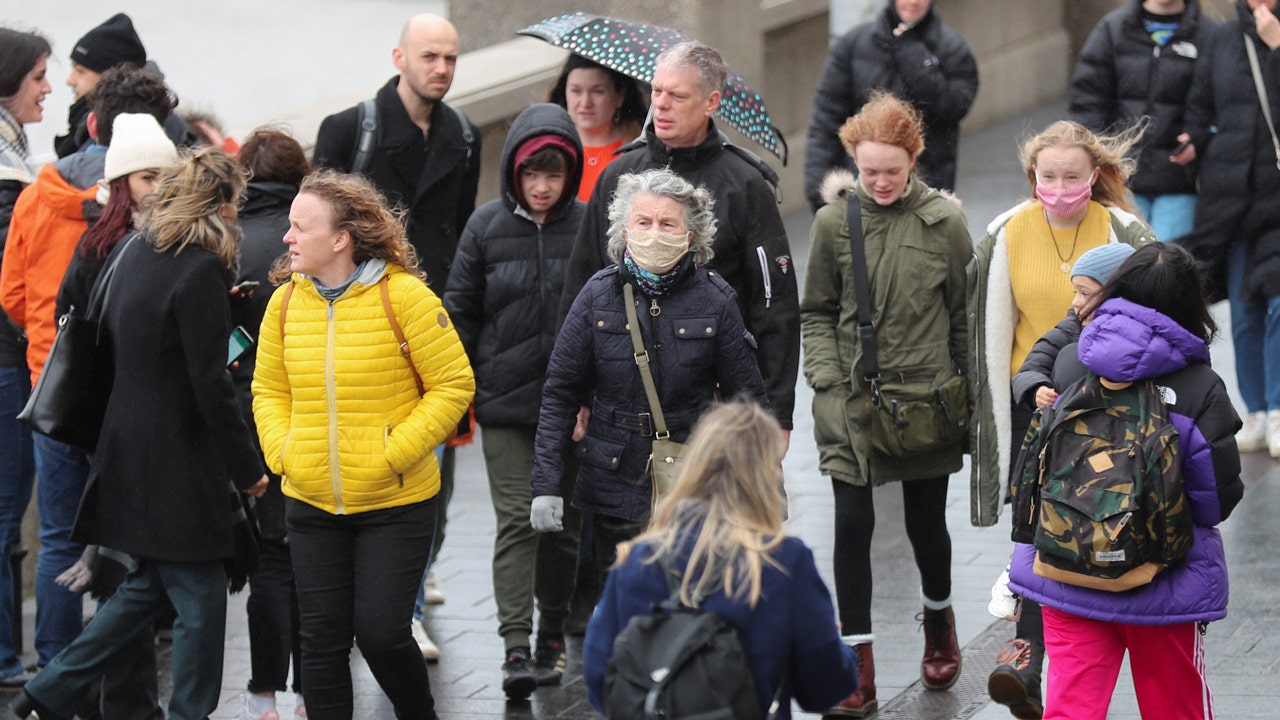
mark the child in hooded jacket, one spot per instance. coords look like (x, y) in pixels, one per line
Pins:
(502, 294)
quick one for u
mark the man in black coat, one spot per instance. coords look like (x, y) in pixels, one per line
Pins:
(423, 160)
(425, 157)
(910, 53)
(1138, 63)
(751, 249)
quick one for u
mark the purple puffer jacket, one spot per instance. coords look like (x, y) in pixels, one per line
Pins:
(1126, 342)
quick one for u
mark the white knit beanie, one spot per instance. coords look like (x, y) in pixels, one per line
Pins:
(137, 143)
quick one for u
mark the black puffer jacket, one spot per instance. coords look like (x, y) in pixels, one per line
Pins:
(752, 251)
(1239, 180)
(1123, 75)
(504, 288)
(696, 342)
(1037, 370)
(930, 66)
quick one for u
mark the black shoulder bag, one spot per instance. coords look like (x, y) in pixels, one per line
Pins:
(69, 400)
(912, 410)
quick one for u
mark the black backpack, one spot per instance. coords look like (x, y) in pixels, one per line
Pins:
(1099, 489)
(679, 662)
(367, 136)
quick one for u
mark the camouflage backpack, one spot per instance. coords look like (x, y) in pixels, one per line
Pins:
(1098, 487)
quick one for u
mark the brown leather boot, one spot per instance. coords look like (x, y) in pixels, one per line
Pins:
(862, 702)
(940, 667)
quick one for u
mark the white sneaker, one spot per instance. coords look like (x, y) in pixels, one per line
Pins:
(431, 593)
(1253, 436)
(300, 709)
(251, 710)
(1273, 433)
(430, 651)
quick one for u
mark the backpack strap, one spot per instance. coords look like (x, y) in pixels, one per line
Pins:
(284, 306)
(367, 135)
(400, 339)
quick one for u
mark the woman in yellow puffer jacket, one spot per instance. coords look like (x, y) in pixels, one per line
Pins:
(350, 423)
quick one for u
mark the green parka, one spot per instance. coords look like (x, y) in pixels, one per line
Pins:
(992, 317)
(917, 249)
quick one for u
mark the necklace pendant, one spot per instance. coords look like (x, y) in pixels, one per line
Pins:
(1066, 268)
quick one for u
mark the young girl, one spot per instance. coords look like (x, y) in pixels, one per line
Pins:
(1145, 324)
(725, 513)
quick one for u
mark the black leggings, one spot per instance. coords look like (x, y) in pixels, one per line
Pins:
(925, 510)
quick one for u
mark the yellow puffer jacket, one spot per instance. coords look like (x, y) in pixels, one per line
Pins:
(337, 409)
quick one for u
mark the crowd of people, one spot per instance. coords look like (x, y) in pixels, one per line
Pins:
(630, 288)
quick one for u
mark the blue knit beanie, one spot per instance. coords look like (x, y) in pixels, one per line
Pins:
(1101, 261)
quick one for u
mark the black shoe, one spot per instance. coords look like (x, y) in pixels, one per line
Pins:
(1015, 683)
(549, 659)
(518, 680)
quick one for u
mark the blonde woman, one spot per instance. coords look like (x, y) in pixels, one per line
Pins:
(1019, 288)
(720, 532)
(350, 422)
(173, 443)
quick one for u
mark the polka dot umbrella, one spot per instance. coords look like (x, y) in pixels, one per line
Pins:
(632, 48)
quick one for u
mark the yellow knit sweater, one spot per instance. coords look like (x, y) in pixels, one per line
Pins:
(1040, 262)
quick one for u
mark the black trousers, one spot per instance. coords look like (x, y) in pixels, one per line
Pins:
(357, 577)
(924, 505)
(272, 608)
(606, 533)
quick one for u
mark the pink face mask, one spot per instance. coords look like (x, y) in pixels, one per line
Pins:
(1065, 202)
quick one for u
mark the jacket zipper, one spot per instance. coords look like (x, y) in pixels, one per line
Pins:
(335, 476)
(542, 296)
(764, 274)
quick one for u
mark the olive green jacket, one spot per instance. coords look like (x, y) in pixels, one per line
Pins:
(916, 250)
(992, 317)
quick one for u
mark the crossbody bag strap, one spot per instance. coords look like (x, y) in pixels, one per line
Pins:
(642, 361)
(400, 339)
(1258, 83)
(102, 285)
(284, 306)
(862, 289)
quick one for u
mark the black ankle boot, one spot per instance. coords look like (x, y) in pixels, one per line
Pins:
(1015, 682)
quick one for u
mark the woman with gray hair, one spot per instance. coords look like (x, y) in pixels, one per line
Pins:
(661, 230)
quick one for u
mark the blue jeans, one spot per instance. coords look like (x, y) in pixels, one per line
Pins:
(61, 472)
(445, 460)
(1170, 216)
(198, 592)
(1255, 332)
(17, 474)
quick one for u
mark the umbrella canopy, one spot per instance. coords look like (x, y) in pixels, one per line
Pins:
(632, 48)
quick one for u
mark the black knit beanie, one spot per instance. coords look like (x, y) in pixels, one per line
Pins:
(110, 44)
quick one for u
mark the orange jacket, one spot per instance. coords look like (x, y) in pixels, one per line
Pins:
(48, 221)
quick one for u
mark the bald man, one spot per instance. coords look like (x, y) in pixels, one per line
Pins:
(425, 157)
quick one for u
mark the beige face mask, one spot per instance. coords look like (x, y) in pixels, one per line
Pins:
(657, 251)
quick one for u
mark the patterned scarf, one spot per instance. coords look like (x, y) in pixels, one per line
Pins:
(14, 151)
(653, 284)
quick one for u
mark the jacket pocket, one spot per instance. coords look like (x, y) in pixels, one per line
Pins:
(697, 336)
(598, 452)
(611, 337)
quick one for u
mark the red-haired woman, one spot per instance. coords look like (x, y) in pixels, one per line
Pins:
(916, 247)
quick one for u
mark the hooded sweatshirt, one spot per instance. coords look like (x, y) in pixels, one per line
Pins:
(505, 284)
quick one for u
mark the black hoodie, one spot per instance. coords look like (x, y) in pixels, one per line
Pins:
(505, 284)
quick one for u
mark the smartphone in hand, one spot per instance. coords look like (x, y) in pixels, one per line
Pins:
(239, 344)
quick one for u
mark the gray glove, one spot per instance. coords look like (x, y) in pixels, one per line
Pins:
(546, 513)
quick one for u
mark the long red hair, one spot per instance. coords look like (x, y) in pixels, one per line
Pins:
(115, 222)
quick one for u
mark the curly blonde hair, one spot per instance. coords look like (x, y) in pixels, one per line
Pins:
(377, 231)
(1107, 153)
